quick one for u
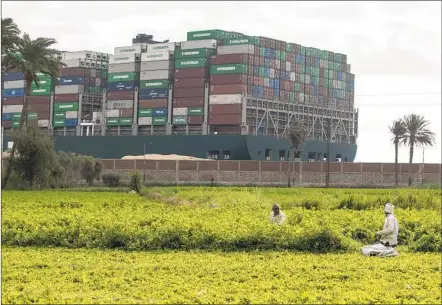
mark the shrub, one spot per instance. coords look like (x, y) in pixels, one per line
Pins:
(111, 180)
(135, 181)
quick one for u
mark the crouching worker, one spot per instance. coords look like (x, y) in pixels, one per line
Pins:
(277, 216)
(387, 237)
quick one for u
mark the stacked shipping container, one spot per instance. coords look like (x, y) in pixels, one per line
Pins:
(13, 91)
(80, 84)
(156, 75)
(122, 84)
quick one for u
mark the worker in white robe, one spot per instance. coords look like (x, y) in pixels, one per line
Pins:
(277, 216)
(387, 236)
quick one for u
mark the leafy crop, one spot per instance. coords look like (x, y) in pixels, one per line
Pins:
(81, 276)
(228, 219)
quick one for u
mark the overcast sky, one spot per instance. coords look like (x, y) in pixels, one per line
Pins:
(394, 47)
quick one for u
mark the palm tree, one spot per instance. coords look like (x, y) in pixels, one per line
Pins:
(37, 57)
(417, 134)
(398, 130)
(297, 135)
(10, 37)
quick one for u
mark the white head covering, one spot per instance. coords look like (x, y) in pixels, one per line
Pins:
(389, 208)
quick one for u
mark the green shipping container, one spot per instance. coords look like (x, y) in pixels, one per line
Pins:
(125, 121)
(58, 107)
(32, 115)
(159, 121)
(59, 115)
(122, 77)
(15, 124)
(195, 111)
(194, 53)
(59, 123)
(207, 34)
(145, 112)
(179, 120)
(112, 122)
(16, 116)
(43, 83)
(41, 91)
(154, 84)
(191, 63)
(228, 69)
(242, 40)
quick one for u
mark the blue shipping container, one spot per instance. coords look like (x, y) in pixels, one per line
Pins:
(120, 86)
(6, 116)
(255, 70)
(159, 112)
(71, 122)
(13, 92)
(7, 77)
(154, 93)
(70, 80)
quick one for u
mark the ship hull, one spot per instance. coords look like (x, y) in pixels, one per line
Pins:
(237, 147)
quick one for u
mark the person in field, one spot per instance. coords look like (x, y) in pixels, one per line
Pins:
(277, 216)
(387, 236)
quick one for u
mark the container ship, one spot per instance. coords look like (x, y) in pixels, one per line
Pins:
(219, 94)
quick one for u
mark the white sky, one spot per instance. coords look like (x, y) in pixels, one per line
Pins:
(393, 47)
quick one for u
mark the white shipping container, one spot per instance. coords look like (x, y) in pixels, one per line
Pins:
(98, 82)
(288, 66)
(16, 84)
(69, 89)
(292, 76)
(145, 121)
(197, 44)
(180, 111)
(159, 47)
(12, 108)
(124, 58)
(272, 73)
(115, 113)
(155, 56)
(159, 74)
(241, 48)
(119, 68)
(225, 99)
(156, 65)
(77, 55)
(128, 50)
(120, 104)
(71, 114)
(43, 123)
(96, 116)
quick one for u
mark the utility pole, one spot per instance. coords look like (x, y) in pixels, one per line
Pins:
(327, 165)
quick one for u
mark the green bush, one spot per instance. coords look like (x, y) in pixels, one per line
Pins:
(135, 182)
(111, 179)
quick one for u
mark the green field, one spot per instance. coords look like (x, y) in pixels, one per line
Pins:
(215, 245)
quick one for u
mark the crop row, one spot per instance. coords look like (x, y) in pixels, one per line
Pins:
(229, 220)
(55, 276)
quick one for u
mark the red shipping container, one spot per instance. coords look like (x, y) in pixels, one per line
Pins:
(188, 102)
(38, 99)
(225, 119)
(225, 79)
(66, 97)
(238, 58)
(39, 108)
(71, 71)
(120, 95)
(7, 124)
(228, 89)
(12, 100)
(221, 109)
(195, 120)
(190, 82)
(228, 129)
(43, 115)
(188, 92)
(127, 113)
(191, 72)
(153, 103)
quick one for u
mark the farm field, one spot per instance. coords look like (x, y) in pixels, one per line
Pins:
(216, 245)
